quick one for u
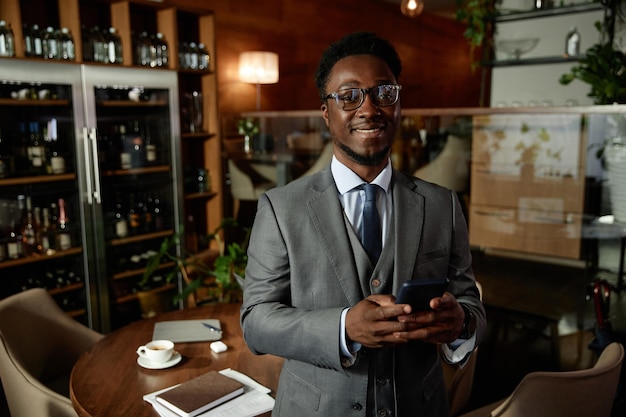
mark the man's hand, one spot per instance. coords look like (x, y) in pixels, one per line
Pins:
(442, 324)
(373, 322)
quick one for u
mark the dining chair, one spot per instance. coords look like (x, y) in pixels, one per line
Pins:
(242, 188)
(582, 393)
(39, 344)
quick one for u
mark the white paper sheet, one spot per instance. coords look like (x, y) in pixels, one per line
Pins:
(254, 401)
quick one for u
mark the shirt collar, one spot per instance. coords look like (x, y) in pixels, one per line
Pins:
(346, 180)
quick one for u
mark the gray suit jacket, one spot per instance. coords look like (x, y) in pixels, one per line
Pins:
(301, 274)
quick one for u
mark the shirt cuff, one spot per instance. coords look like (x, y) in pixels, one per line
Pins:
(348, 349)
(458, 351)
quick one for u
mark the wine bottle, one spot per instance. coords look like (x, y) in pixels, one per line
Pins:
(55, 158)
(134, 221)
(14, 241)
(45, 232)
(37, 41)
(125, 155)
(162, 50)
(114, 45)
(29, 232)
(87, 42)
(121, 223)
(38, 230)
(157, 214)
(64, 236)
(50, 44)
(137, 157)
(52, 227)
(66, 47)
(151, 150)
(4, 229)
(7, 40)
(36, 150)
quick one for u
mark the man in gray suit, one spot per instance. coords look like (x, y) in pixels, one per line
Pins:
(313, 295)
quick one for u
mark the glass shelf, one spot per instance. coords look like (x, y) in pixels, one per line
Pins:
(512, 16)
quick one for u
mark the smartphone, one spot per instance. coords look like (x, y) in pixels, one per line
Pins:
(419, 292)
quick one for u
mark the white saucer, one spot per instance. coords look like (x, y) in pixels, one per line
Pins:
(176, 357)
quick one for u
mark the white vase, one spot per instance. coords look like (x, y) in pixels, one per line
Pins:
(615, 155)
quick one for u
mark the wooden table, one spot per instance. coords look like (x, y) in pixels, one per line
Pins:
(107, 381)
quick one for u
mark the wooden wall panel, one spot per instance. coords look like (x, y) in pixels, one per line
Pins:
(434, 53)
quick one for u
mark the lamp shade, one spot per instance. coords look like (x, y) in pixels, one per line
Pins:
(258, 67)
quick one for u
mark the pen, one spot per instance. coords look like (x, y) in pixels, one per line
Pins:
(212, 328)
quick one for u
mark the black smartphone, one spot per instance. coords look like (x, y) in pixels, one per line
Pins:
(419, 292)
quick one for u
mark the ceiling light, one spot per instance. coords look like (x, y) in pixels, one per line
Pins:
(412, 8)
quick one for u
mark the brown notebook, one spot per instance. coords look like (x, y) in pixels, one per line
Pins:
(200, 394)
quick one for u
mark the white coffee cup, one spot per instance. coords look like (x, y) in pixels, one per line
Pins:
(157, 351)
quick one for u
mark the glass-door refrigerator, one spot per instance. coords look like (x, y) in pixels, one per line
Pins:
(94, 147)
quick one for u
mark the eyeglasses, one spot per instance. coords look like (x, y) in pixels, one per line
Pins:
(352, 98)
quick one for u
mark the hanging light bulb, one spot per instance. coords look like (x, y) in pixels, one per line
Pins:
(412, 8)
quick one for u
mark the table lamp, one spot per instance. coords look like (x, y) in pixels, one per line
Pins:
(258, 67)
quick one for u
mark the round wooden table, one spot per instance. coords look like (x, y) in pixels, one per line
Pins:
(106, 381)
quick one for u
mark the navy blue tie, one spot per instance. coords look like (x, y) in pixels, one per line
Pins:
(371, 236)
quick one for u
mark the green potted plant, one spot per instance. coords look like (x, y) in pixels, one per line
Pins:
(603, 67)
(220, 279)
(478, 15)
(248, 128)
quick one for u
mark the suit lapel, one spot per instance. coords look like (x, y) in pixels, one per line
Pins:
(328, 218)
(407, 204)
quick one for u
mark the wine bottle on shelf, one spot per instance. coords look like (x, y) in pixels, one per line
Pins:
(64, 236)
(162, 50)
(157, 214)
(46, 231)
(148, 215)
(19, 221)
(37, 35)
(14, 241)
(36, 150)
(29, 229)
(4, 229)
(51, 48)
(137, 157)
(66, 47)
(114, 44)
(121, 222)
(7, 40)
(52, 229)
(55, 159)
(151, 149)
(125, 155)
(38, 230)
(98, 42)
(134, 221)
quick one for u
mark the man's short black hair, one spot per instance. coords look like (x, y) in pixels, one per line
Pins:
(358, 43)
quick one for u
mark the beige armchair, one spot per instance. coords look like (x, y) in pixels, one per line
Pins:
(584, 393)
(39, 345)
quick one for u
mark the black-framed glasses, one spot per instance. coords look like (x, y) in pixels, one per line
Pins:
(352, 98)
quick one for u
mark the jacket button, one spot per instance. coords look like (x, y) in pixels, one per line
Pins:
(382, 413)
(381, 381)
(357, 407)
(375, 282)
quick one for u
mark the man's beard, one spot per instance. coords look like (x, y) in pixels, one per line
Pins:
(371, 160)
